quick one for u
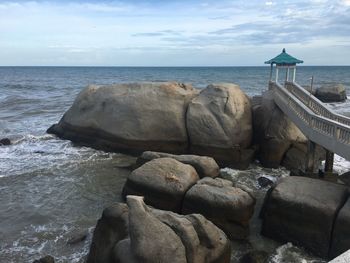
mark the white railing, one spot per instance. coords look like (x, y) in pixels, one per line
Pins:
(315, 104)
(331, 134)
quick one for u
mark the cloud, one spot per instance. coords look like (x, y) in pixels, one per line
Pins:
(158, 33)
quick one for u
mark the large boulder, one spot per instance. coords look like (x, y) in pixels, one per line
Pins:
(274, 132)
(205, 166)
(129, 117)
(341, 233)
(163, 182)
(302, 211)
(219, 124)
(160, 236)
(331, 93)
(110, 229)
(228, 207)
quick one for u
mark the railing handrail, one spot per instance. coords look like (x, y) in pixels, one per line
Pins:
(329, 133)
(330, 113)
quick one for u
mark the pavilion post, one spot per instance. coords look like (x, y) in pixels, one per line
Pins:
(276, 74)
(294, 73)
(271, 68)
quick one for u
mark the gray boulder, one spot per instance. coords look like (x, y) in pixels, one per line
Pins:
(331, 93)
(219, 124)
(341, 233)
(163, 182)
(205, 166)
(129, 117)
(302, 211)
(228, 207)
(110, 229)
(160, 236)
(274, 132)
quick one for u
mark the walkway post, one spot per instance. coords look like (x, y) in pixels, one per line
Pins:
(310, 157)
(328, 168)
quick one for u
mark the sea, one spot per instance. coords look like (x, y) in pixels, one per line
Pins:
(52, 190)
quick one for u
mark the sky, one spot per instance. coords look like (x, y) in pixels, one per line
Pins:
(172, 33)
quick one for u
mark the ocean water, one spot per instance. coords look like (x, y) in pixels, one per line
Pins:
(50, 188)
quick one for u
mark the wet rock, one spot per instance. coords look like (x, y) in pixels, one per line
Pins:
(228, 207)
(302, 211)
(274, 132)
(264, 182)
(110, 229)
(163, 182)
(77, 237)
(331, 93)
(219, 124)
(341, 233)
(205, 166)
(5, 142)
(255, 257)
(160, 236)
(132, 117)
(46, 259)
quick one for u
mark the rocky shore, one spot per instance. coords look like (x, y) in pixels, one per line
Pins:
(178, 205)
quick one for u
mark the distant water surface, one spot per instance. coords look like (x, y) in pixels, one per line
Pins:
(50, 188)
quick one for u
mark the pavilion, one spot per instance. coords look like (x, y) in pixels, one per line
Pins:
(286, 61)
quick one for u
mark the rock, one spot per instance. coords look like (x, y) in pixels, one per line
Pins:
(46, 259)
(110, 229)
(296, 155)
(149, 239)
(228, 207)
(219, 124)
(255, 257)
(205, 166)
(163, 182)
(264, 182)
(302, 210)
(331, 93)
(160, 236)
(77, 237)
(5, 142)
(130, 118)
(341, 233)
(274, 132)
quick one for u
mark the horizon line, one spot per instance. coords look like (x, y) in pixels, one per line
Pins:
(109, 66)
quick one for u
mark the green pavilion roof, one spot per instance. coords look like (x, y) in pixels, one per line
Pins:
(284, 59)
